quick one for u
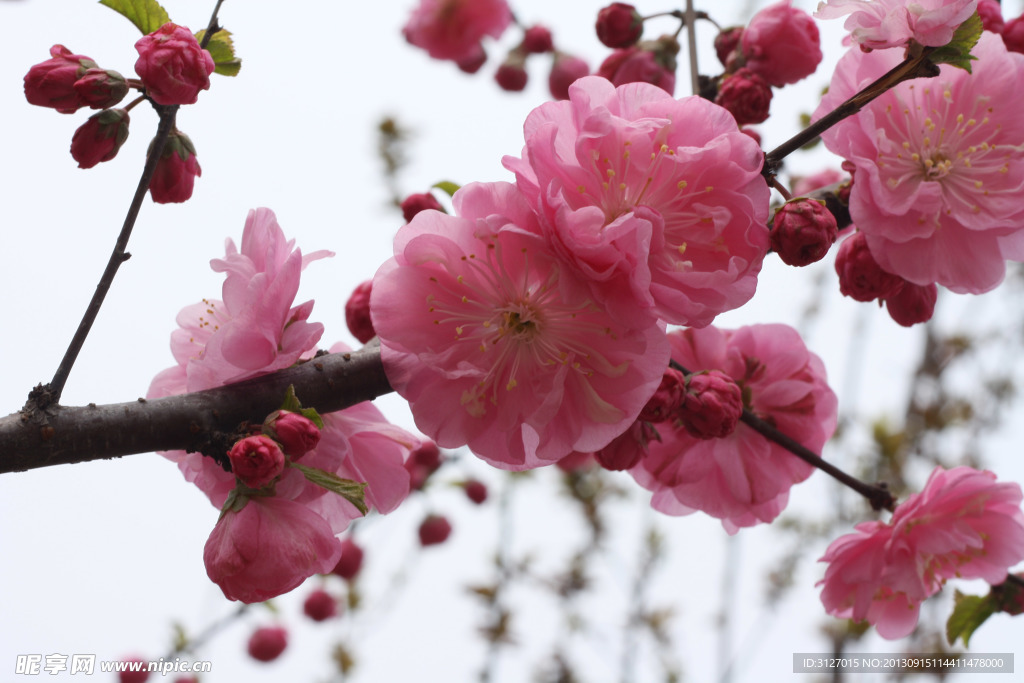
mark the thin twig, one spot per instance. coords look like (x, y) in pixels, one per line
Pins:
(691, 40)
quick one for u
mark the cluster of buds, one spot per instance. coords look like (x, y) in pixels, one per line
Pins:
(537, 40)
(779, 46)
(620, 27)
(258, 460)
(862, 279)
(172, 69)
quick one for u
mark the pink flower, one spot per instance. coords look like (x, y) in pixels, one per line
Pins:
(781, 44)
(496, 344)
(453, 29)
(962, 524)
(52, 83)
(172, 66)
(746, 96)
(877, 24)
(939, 166)
(256, 460)
(742, 479)
(100, 137)
(657, 203)
(176, 172)
(267, 548)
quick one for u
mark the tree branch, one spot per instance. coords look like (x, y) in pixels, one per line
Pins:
(59, 435)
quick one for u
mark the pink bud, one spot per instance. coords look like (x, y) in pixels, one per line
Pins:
(472, 62)
(912, 304)
(537, 40)
(101, 88)
(176, 172)
(433, 530)
(266, 644)
(296, 433)
(651, 62)
(991, 16)
(139, 676)
(351, 560)
(781, 44)
(415, 203)
(619, 25)
(860, 276)
(803, 231)
(726, 42)
(172, 66)
(712, 405)
(511, 75)
(666, 399)
(357, 313)
(1013, 36)
(628, 448)
(476, 491)
(423, 461)
(320, 606)
(565, 70)
(100, 137)
(52, 83)
(746, 96)
(256, 460)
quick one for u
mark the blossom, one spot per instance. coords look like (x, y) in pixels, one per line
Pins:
(712, 405)
(100, 137)
(175, 174)
(781, 44)
(657, 203)
(746, 96)
(172, 66)
(496, 344)
(453, 29)
(803, 231)
(256, 460)
(296, 433)
(742, 479)
(877, 24)
(619, 25)
(267, 548)
(938, 166)
(52, 83)
(962, 524)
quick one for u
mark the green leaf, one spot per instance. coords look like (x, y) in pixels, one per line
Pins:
(969, 612)
(958, 51)
(222, 49)
(147, 15)
(292, 405)
(352, 491)
(447, 186)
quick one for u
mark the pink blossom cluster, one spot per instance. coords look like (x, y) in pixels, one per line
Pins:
(879, 24)
(530, 324)
(275, 540)
(454, 29)
(963, 524)
(938, 166)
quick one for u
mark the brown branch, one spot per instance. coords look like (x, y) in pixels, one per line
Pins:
(59, 435)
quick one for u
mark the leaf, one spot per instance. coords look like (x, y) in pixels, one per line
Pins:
(969, 612)
(447, 187)
(292, 405)
(352, 491)
(147, 15)
(957, 52)
(222, 49)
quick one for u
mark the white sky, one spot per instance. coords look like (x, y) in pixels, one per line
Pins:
(100, 558)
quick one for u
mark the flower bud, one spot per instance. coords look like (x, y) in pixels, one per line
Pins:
(537, 40)
(619, 25)
(415, 203)
(565, 70)
(746, 96)
(991, 16)
(860, 276)
(423, 461)
(100, 137)
(653, 61)
(476, 491)
(803, 231)
(511, 75)
(726, 42)
(357, 313)
(628, 448)
(433, 530)
(52, 83)
(351, 560)
(472, 62)
(296, 433)
(666, 399)
(781, 44)
(320, 606)
(256, 460)
(1009, 596)
(266, 644)
(1013, 35)
(176, 172)
(101, 88)
(172, 66)
(139, 676)
(711, 406)
(912, 304)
